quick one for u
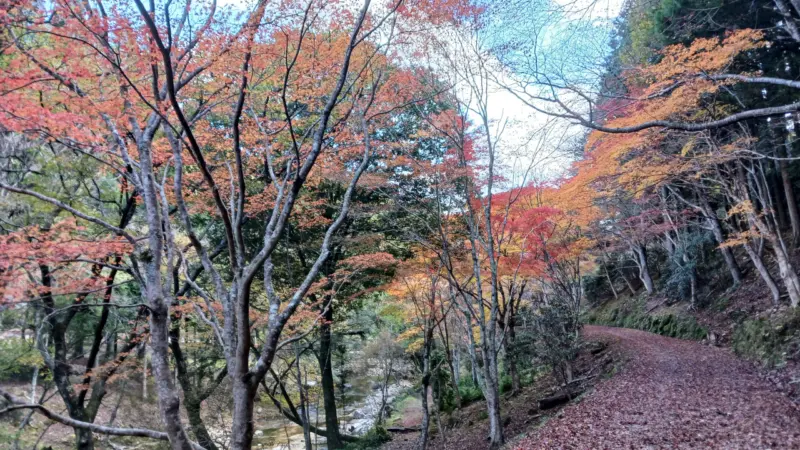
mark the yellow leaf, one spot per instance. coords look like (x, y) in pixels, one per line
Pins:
(688, 146)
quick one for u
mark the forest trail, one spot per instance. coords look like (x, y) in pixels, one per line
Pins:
(673, 394)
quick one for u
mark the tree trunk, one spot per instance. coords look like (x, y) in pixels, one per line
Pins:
(328, 386)
(610, 282)
(457, 366)
(788, 22)
(491, 386)
(437, 400)
(168, 400)
(242, 426)
(144, 371)
(733, 267)
(426, 415)
(791, 202)
(764, 272)
(77, 345)
(474, 366)
(303, 400)
(426, 382)
(83, 439)
(511, 359)
(644, 271)
(787, 273)
(774, 186)
(492, 394)
(559, 398)
(192, 399)
(473, 356)
(719, 236)
(58, 364)
(692, 282)
(198, 426)
(796, 5)
(450, 356)
(628, 283)
(669, 246)
(111, 346)
(34, 380)
(387, 373)
(452, 364)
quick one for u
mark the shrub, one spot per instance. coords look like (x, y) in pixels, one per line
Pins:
(374, 438)
(18, 359)
(469, 392)
(505, 384)
(766, 341)
(666, 325)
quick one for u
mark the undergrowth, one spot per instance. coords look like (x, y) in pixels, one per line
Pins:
(665, 324)
(470, 392)
(373, 439)
(767, 341)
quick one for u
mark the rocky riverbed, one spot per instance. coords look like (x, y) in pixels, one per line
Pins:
(358, 417)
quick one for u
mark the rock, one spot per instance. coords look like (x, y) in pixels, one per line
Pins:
(259, 433)
(260, 410)
(375, 386)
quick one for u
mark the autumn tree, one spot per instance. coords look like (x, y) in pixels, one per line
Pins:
(199, 111)
(66, 275)
(423, 290)
(471, 233)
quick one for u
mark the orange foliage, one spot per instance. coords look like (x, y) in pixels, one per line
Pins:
(66, 248)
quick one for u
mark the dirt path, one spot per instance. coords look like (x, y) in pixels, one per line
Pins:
(673, 394)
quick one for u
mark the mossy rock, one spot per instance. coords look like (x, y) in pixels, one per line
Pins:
(766, 341)
(671, 325)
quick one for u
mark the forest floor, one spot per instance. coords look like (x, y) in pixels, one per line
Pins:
(668, 393)
(674, 394)
(467, 428)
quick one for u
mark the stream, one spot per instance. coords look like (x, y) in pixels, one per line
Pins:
(358, 410)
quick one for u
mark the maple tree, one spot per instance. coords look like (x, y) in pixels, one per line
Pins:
(486, 232)
(683, 167)
(228, 184)
(186, 134)
(651, 123)
(422, 288)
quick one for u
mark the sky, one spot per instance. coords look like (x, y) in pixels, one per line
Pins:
(567, 38)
